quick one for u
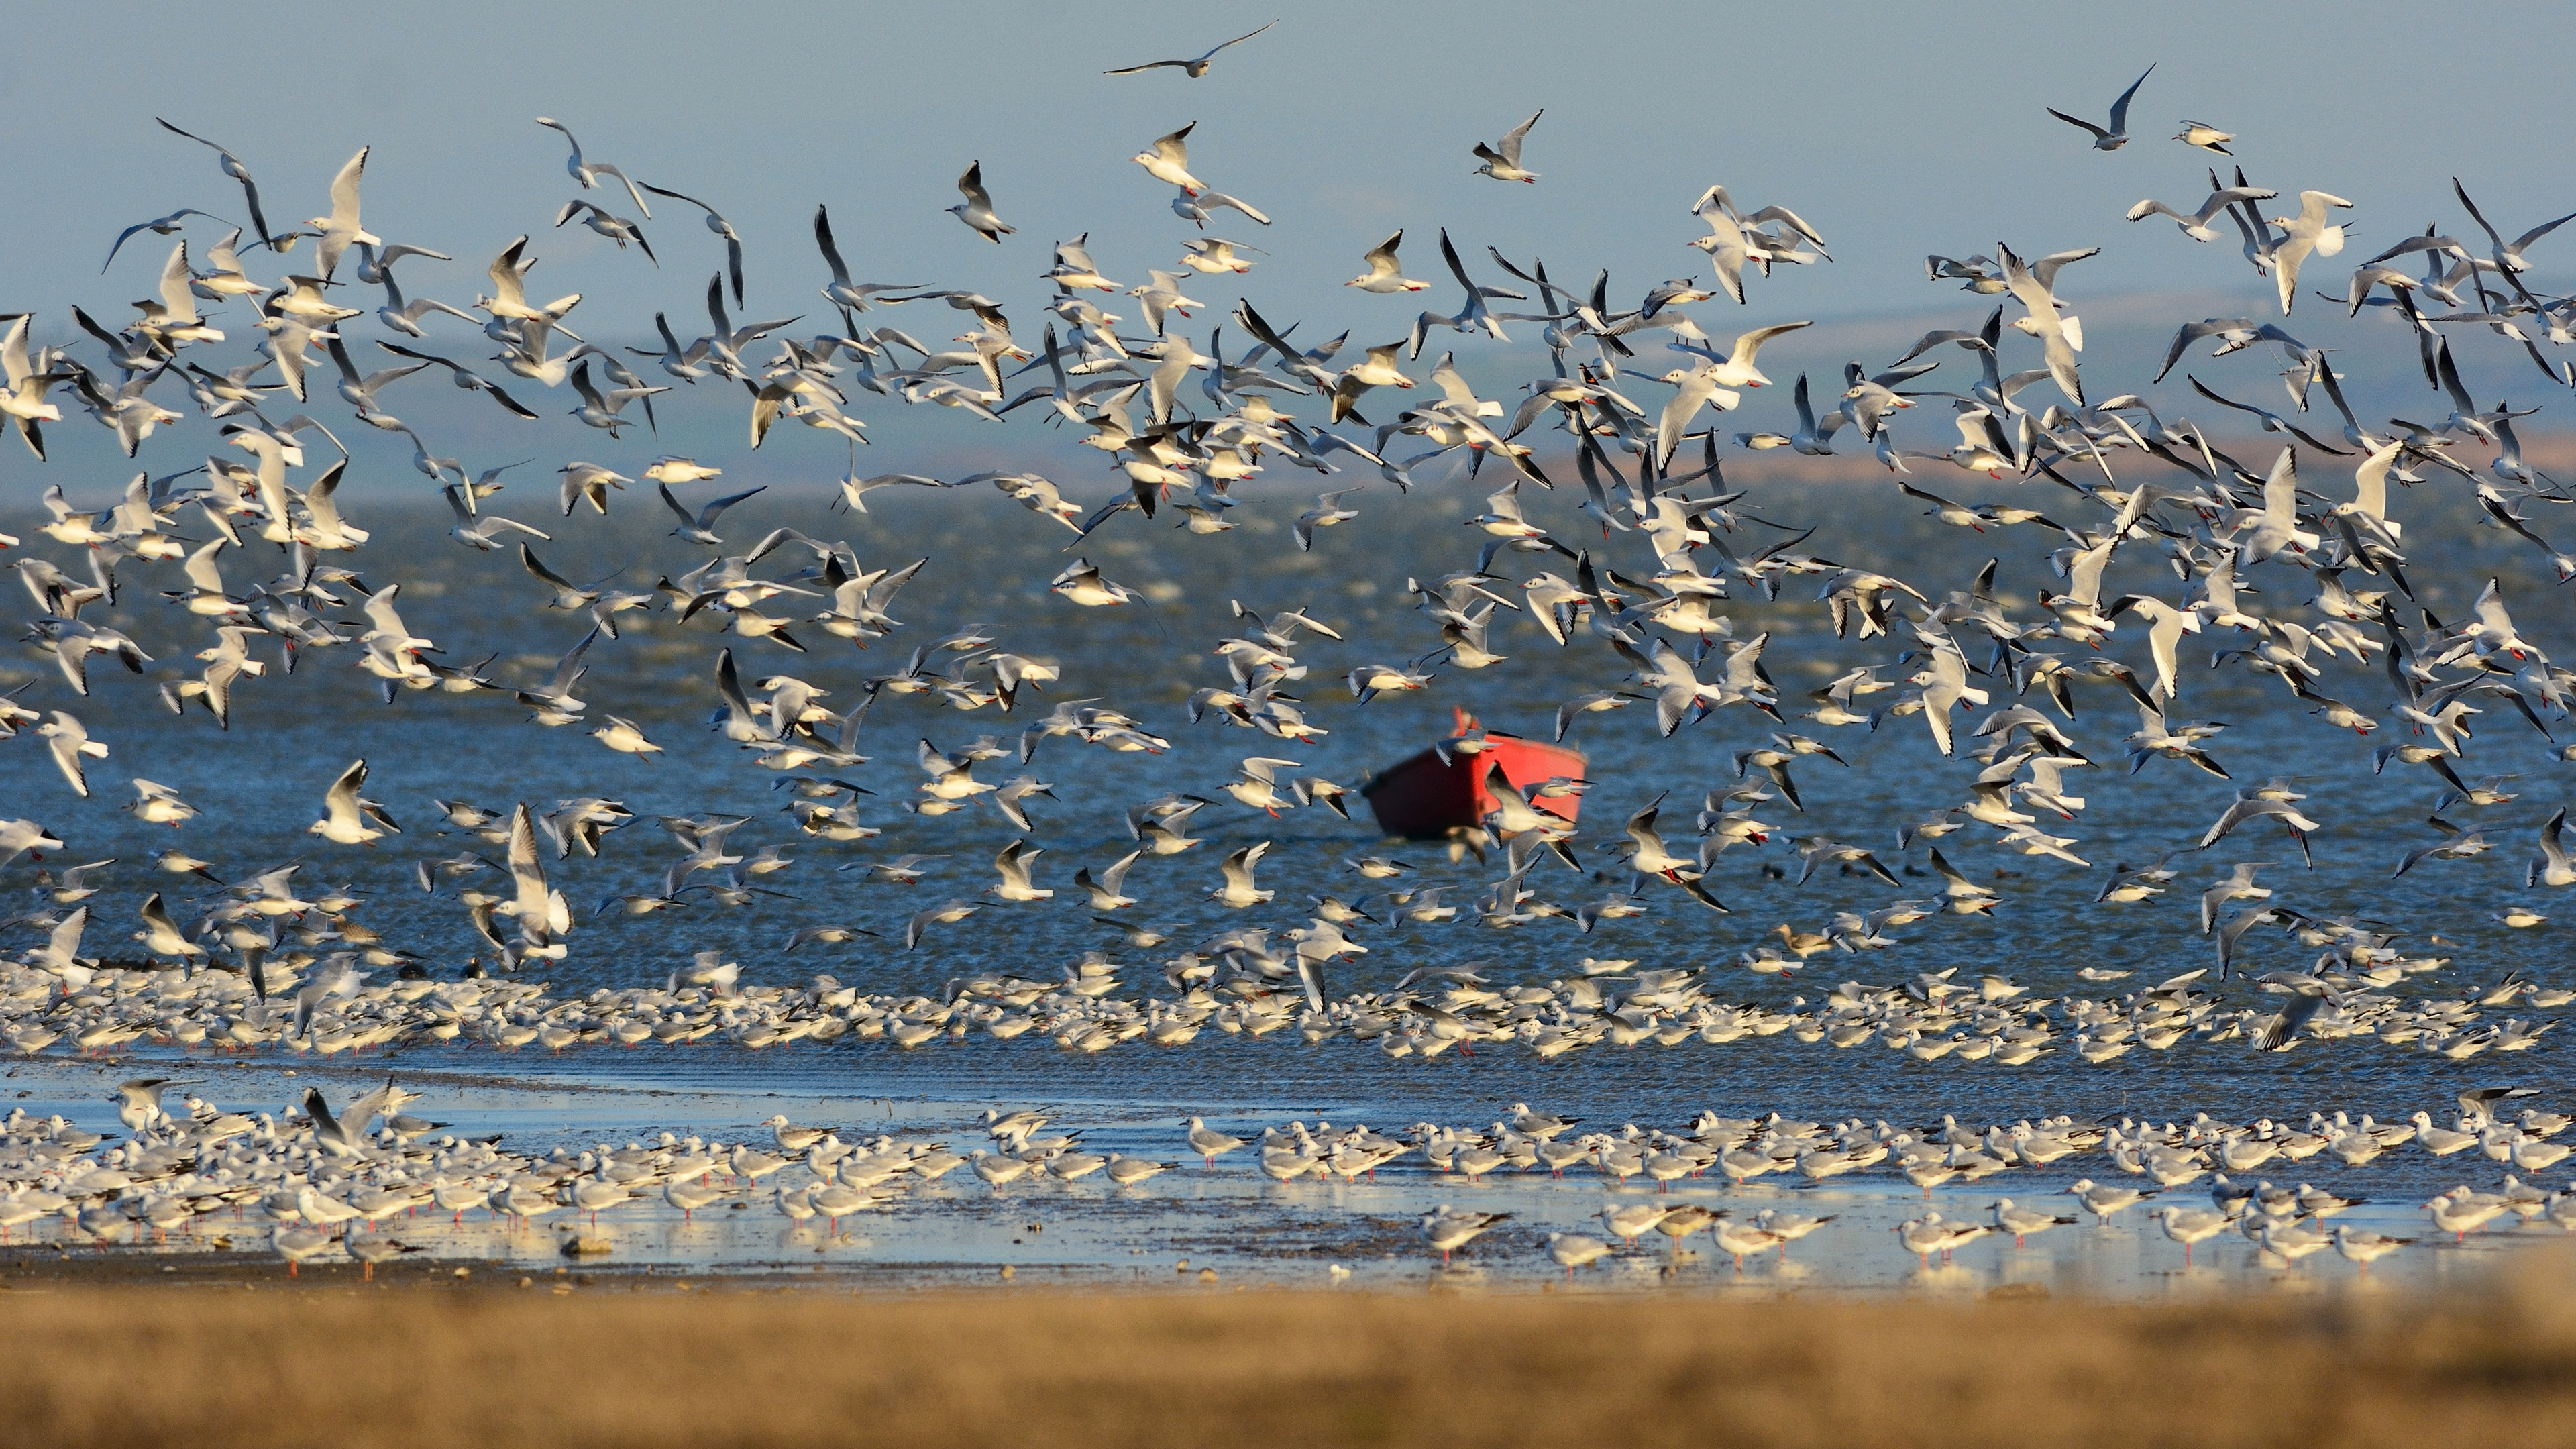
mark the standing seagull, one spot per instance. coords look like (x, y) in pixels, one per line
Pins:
(1503, 158)
(1449, 1230)
(977, 209)
(589, 172)
(2118, 136)
(1197, 68)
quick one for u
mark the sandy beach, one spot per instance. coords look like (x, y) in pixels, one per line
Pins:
(424, 1358)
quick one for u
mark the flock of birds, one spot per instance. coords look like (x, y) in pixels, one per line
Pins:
(257, 548)
(327, 1182)
(1089, 1007)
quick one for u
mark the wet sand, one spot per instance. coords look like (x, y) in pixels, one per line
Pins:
(960, 1233)
(426, 1358)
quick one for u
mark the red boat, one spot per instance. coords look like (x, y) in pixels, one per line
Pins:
(1426, 797)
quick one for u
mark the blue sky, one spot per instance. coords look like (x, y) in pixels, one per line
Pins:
(1895, 130)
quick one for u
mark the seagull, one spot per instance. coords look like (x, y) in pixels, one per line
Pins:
(481, 531)
(1385, 274)
(69, 743)
(1196, 68)
(295, 1244)
(2236, 885)
(715, 223)
(1013, 864)
(2552, 867)
(25, 837)
(360, 392)
(233, 167)
(1694, 388)
(1108, 889)
(2364, 1247)
(1502, 160)
(1573, 1250)
(2206, 136)
(1209, 1143)
(2307, 232)
(340, 230)
(618, 229)
(1448, 1230)
(2256, 807)
(855, 297)
(2118, 136)
(375, 1249)
(138, 1102)
(341, 1136)
(1328, 510)
(169, 225)
(2189, 1226)
(2272, 422)
(465, 378)
(589, 172)
(1081, 582)
(2040, 304)
(977, 209)
(1239, 891)
(349, 820)
(2196, 224)
(1169, 161)
(699, 527)
(625, 738)
(944, 915)
(2281, 1032)
(1195, 209)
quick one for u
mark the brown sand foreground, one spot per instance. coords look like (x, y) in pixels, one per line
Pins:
(216, 1366)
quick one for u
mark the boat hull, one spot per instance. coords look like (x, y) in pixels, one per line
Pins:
(1426, 797)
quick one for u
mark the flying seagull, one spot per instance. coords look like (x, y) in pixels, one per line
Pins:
(1502, 160)
(2118, 136)
(233, 167)
(977, 209)
(1195, 68)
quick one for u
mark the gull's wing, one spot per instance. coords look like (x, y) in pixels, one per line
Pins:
(2120, 107)
(344, 191)
(1238, 40)
(1511, 142)
(342, 800)
(2098, 132)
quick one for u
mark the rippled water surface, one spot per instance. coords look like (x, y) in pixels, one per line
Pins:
(261, 782)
